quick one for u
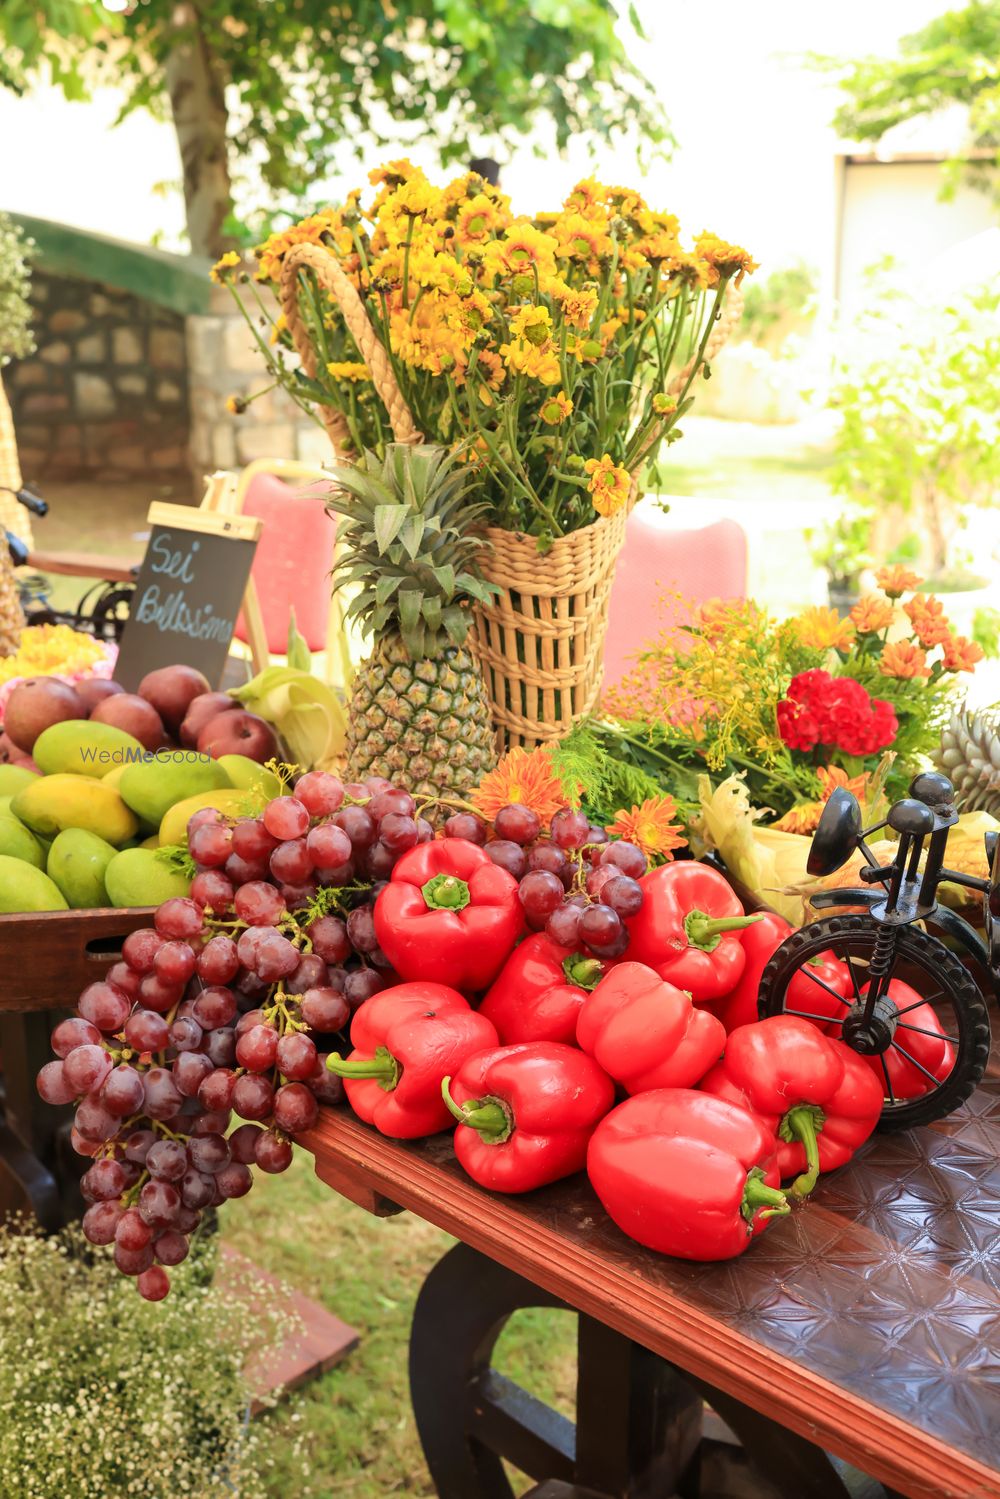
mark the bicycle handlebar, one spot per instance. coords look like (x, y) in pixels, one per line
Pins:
(30, 501)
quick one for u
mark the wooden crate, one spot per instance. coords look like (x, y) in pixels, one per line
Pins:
(48, 957)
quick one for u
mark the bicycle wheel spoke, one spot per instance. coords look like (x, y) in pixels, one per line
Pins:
(921, 1031)
(823, 1019)
(937, 1081)
(825, 986)
(845, 957)
(888, 1079)
(936, 995)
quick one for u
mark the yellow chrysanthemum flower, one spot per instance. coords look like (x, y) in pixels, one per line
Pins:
(521, 247)
(609, 484)
(477, 220)
(348, 370)
(533, 324)
(227, 262)
(723, 258)
(583, 238)
(823, 629)
(578, 306)
(525, 359)
(586, 195)
(555, 409)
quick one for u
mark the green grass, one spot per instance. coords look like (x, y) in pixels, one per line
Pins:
(360, 1436)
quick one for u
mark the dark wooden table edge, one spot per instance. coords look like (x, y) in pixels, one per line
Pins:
(901, 1455)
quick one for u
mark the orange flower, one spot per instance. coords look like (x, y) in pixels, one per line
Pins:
(802, 818)
(961, 654)
(650, 827)
(872, 615)
(897, 580)
(823, 629)
(926, 615)
(901, 658)
(832, 776)
(525, 778)
(805, 817)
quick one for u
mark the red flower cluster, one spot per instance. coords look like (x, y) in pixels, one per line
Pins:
(835, 711)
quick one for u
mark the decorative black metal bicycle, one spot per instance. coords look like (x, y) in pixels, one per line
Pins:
(103, 609)
(908, 1002)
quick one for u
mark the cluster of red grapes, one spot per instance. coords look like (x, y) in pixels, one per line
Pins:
(220, 1009)
(576, 884)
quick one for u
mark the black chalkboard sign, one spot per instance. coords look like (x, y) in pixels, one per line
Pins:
(189, 593)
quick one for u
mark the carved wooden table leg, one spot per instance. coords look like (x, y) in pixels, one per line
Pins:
(467, 1415)
(639, 1419)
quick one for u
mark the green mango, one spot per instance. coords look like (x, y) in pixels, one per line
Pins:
(77, 862)
(151, 788)
(13, 777)
(139, 877)
(248, 775)
(25, 888)
(51, 803)
(19, 842)
(81, 748)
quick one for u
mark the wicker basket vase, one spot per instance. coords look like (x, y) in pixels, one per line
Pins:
(541, 641)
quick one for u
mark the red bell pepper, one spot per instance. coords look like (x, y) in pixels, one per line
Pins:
(646, 1033)
(541, 990)
(686, 1173)
(814, 1092)
(921, 1055)
(690, 929)
(449, 915)
(813, 990)
(526, 1113)
(406, 1040)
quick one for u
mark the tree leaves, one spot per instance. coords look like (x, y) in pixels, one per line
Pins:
(466, 75)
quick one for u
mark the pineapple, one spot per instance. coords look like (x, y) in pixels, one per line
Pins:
(970, 757)
(418, 710)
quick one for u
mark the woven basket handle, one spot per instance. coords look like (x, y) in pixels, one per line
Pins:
(333, 279)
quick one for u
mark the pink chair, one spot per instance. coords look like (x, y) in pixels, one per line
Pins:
(294, 554)
(708, 563)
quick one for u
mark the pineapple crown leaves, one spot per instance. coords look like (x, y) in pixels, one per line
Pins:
(406, 543)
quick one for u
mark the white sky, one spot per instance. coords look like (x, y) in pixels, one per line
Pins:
(754, 160)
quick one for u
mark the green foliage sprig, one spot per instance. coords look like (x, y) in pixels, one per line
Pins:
(954, 59)
(918, 390)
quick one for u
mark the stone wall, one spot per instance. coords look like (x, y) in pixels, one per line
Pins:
(224, 361)
(105, 396)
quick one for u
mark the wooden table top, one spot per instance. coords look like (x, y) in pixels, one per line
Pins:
(868, 1321)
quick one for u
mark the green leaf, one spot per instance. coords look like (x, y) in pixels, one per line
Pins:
(409, 604)
(388, 521)
(386, 586)
(297, 651)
